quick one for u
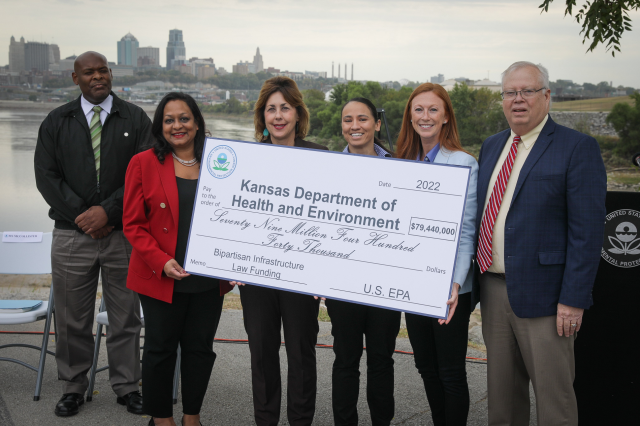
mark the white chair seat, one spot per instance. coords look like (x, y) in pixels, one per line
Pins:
(37, 314)
(29, 258)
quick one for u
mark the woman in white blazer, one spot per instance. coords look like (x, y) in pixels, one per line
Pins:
(429, 134)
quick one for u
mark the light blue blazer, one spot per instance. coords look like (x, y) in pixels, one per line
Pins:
(463, 274)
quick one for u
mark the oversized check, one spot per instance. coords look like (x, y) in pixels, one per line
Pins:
(362, 229)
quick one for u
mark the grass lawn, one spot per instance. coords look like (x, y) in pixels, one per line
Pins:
(600, 104)
(625, 178)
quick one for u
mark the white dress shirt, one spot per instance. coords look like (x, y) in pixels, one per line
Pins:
(87, 108)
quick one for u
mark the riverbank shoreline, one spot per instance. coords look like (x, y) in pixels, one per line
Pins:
(148, 108)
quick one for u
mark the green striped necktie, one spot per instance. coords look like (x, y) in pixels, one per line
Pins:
(96, 131)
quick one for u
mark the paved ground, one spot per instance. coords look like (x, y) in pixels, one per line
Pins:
(228, 400)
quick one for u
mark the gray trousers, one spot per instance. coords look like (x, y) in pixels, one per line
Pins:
(520, 350)
(76, 262)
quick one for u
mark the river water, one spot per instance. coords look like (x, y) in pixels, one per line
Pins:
(22, 208)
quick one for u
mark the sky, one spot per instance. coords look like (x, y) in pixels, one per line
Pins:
(385, 40)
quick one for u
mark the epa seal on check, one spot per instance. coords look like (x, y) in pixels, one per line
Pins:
(221, 161)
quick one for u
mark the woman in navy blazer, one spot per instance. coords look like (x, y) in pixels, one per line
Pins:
(179, 308)
(429, 134)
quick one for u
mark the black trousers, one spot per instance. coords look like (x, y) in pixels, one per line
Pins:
(349, 322)
(266, 311)
(191, 320)
(440, 354)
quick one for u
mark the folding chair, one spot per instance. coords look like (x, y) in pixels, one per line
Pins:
(103, 321)
(29, 258)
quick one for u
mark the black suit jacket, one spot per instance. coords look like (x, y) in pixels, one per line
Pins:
(64, 164)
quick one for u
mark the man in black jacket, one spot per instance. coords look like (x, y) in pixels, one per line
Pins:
(81, 158)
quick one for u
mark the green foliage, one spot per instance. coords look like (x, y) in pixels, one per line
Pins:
(326, 120)
(626, 120)
(478, 113)
(33, 98)
(603, 21)
(230, 106)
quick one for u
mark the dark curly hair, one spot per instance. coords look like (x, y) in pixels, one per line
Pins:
(161, 146)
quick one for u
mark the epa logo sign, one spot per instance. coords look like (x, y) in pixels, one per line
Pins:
(221, 161)
(621, 240)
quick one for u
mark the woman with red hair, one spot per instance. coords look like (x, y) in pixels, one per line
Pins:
(429, 134)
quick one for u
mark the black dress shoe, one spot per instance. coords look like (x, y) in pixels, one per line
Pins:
(69, 404)
(133, 401)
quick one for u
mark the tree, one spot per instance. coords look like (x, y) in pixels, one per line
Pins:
(626, 120)
(478, 113)
(603, 21)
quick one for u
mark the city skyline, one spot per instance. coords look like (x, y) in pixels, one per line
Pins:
(388, 41)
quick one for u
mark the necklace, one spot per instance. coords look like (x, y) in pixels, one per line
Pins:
(189, 163)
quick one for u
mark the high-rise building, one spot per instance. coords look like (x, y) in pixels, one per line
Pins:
(257, 61)
(332, 69)
(16, 55)
(36, 56)
(175, 47)
(148, 57)
(54, 54)
(437, 79)
(197, 63)
(128, 50)
(241, 68)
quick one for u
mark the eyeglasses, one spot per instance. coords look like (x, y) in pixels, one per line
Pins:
(527, 93)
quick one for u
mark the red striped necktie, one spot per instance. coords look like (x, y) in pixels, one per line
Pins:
(485, 244)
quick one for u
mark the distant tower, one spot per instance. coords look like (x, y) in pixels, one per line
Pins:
(331, 68)
(128, 50)
(338, 70)
(257, 61)
(175, 47)
(351, 71)
(16, 55)
(36, 55)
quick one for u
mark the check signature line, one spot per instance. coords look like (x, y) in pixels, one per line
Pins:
(255, 275)
(304, 252)
(318, 221)
(427, 191)
(385, 298)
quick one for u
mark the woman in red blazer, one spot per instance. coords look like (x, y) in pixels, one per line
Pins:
(179, 308)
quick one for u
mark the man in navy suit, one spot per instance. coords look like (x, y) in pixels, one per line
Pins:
(541, 213)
